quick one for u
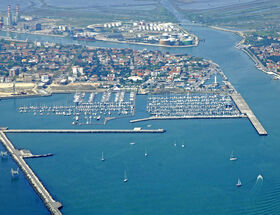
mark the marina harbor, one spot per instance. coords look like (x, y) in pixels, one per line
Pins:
(201, 106)
(89, 109)
(99, 108)
(133, 107)
(192, 105)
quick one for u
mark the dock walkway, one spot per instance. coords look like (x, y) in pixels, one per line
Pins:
(52, 205)
(245, 109)
(187, 117)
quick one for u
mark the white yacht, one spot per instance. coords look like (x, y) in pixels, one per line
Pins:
(125, 177)
(232, 157)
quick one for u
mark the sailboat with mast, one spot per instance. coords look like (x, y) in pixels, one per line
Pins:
(14, 172)
(232, 157)
(4, 154)
(239, 184)
(146, 153)
(125, 177)
(102, 157)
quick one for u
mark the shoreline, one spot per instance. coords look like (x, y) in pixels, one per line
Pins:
(35, 33)
(196, 39)
(240, 45)
(25, 96)
(148, 44)
(90, 91)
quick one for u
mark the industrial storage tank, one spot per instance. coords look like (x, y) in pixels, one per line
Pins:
(187, 41)
(164, 42)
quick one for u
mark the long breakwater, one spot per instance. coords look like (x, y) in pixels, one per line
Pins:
(135, 130)
(245, 109)
(52, 205)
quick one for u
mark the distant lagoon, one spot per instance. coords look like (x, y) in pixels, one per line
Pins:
(209, 4)
(97, 3)
(83, 4)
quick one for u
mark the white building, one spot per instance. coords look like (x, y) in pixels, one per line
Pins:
(45, 79)
(77, 70)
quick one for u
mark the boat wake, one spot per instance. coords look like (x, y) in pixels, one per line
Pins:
(257, 186)
(264, 199)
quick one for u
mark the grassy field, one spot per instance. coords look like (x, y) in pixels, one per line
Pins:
(262, 15)
(81, 17)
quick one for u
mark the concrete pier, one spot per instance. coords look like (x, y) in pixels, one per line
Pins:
(19, 155)
(135, 130)
(52, 205)
(27, 154)
(245, 109)
(187, 117)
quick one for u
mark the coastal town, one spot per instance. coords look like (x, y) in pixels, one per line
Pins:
(52, 66)
(267, 51)
(130, 106)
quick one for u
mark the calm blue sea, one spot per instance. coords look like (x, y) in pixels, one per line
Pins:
(196, 179)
